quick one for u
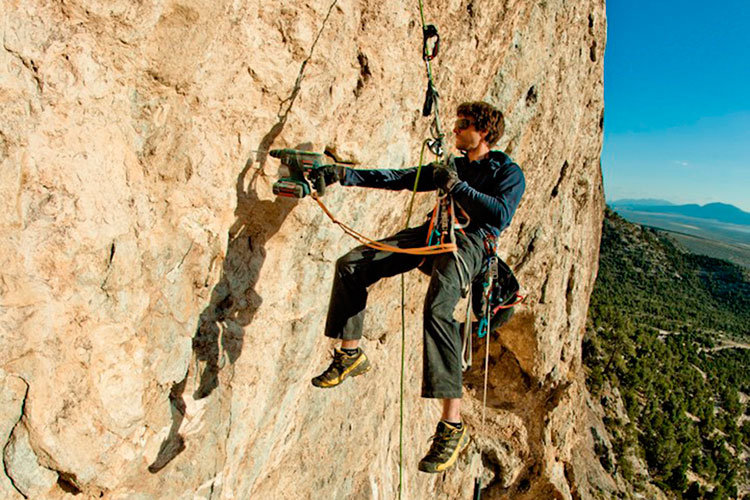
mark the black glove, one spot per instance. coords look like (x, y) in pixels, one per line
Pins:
(331, 173)
(445, 175)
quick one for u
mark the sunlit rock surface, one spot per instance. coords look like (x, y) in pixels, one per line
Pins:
(161, 311)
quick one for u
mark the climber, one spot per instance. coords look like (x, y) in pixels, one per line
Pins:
(488, 186)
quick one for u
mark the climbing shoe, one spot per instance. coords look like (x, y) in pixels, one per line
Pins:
(447, 443)
(342, 366)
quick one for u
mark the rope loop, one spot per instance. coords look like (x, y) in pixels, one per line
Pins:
(430, 98)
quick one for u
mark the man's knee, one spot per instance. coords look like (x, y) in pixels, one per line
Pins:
(440, 302)
(347, 263)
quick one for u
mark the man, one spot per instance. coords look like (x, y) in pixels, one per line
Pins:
(488, 186)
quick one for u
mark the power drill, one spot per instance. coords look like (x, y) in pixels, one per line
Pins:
(304, 168)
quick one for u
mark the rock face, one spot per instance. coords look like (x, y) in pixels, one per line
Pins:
(161, 311)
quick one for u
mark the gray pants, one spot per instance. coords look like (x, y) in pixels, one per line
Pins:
(364, 266)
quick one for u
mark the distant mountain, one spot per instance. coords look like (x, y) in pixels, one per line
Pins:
(641, 202)
(721, 212)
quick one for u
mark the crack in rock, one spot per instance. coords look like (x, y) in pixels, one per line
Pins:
(270, 137)
(30, 65)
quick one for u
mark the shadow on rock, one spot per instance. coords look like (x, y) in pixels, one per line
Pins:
(174, 444)
(234, 302)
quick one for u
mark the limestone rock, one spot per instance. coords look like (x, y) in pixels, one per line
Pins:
(22, 467)
(166, 309)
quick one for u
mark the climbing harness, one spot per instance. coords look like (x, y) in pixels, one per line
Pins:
(492, 298)
(499, 289)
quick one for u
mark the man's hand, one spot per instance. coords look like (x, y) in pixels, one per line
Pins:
(331, 173)
(445, 175)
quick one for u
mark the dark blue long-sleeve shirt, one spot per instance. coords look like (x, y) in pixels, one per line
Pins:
(489, 189)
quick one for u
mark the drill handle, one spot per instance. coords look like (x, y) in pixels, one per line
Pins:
(320, 184)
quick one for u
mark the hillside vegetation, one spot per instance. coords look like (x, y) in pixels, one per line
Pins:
(668, 344)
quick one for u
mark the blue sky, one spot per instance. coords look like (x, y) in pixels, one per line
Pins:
(677, 101)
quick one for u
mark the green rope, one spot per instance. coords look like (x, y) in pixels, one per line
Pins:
(403, 283)
(401, 406)
(403, 336)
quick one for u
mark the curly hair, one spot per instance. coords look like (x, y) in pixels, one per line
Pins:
(486, 118)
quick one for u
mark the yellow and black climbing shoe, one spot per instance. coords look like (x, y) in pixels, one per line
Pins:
(447, 443)
(342, 366)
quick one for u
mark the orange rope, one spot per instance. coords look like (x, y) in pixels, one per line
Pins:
(377, 245)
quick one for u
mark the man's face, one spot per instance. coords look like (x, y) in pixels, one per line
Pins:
(467, 136)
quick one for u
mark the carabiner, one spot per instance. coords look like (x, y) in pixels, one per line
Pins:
(430, 31)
